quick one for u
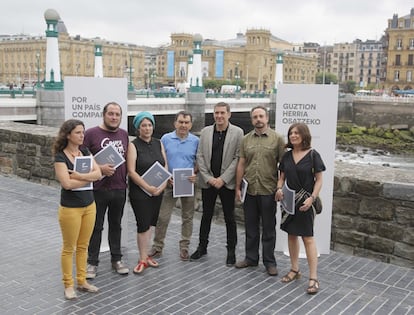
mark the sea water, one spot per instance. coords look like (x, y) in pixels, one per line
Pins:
(365, 156)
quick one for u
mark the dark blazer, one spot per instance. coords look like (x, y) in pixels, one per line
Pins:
(230, 158)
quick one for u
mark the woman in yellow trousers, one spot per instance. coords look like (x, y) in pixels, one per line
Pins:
(77, 208)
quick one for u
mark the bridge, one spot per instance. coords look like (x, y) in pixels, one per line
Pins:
(25, 109)
(362, 111)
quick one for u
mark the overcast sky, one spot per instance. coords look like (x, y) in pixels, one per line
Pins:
(151, 22)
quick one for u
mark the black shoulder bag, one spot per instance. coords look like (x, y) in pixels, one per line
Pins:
(317, 202)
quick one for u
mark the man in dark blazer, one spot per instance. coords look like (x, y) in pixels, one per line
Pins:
(217, 157)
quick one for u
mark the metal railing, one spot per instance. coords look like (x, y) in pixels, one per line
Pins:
(391, 99)
(14, 93)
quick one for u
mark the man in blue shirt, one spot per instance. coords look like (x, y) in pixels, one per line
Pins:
(181, 148)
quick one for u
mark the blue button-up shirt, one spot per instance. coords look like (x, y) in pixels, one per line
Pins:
(181, 153)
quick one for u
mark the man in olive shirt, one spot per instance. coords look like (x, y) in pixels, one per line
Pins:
(260, 152)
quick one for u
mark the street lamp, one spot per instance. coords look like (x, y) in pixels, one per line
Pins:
(130, 85)
(237, 76)
(38, 69)
(153, 75)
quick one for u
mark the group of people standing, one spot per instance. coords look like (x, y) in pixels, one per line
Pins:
(221, 158)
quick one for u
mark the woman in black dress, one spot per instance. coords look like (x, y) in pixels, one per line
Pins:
(302, 168)
(143, 152)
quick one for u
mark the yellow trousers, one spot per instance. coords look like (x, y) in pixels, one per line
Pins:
(76, 225)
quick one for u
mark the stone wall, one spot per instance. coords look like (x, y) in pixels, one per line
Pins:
(373, 207)
(373, 213)
(367, 113)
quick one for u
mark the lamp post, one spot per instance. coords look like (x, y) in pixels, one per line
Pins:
(237, 76)
(153, 75)
(38, 70)
(130, 85)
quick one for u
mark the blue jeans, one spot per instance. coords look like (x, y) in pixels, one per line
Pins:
(113, 201)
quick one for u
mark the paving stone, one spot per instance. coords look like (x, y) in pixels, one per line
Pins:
(30, 276)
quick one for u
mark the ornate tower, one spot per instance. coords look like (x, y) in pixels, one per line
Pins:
(196, 82)
(53, 80)
(279, 70)
(98, 59)
(190, 67)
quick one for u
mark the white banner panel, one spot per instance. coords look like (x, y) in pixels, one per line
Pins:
(317, 106)
(85, 98)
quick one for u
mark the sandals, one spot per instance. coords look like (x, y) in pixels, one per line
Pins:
(140, 267)
(296, 276)
(152, 263)
(314, 288)
(142, 264)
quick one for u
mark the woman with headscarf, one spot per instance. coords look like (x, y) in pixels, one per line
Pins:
(145, 199)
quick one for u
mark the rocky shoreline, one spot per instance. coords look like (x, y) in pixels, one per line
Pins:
(385, 139)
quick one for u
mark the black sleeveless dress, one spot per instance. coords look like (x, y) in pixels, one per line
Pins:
(296, 175)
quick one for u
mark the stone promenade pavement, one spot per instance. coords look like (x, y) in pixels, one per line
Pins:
(30, 276)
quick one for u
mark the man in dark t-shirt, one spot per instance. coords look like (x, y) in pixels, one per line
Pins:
(110, 190)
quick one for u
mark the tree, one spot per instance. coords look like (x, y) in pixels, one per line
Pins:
(216, 84)
(330, 78)
(348, 86)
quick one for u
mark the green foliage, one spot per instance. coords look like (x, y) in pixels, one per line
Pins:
(330, 78)
(216, 84)
(357, 131)
(371, 86)
(348, 86)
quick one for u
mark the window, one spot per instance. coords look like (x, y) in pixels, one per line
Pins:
(409, 76)
(398, 60)
(399, 43)
(410, 60)
(396, 76)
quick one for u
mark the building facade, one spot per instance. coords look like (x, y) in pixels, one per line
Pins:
(386, 64)
(400, 52)
(369, 67)
(344, 61)
(250, 58)
(23, 58)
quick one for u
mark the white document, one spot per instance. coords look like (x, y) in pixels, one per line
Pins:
(109, 155)
(288, 201)
(243, 191)
(156, 175)
(83, 164)
(182, 187)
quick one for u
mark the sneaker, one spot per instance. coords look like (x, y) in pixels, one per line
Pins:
(184, 256)
(272, 271)
(120, 267)
(91, 271)
(198, 253)
(86, 287)
(154, 253)
(244, 264)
